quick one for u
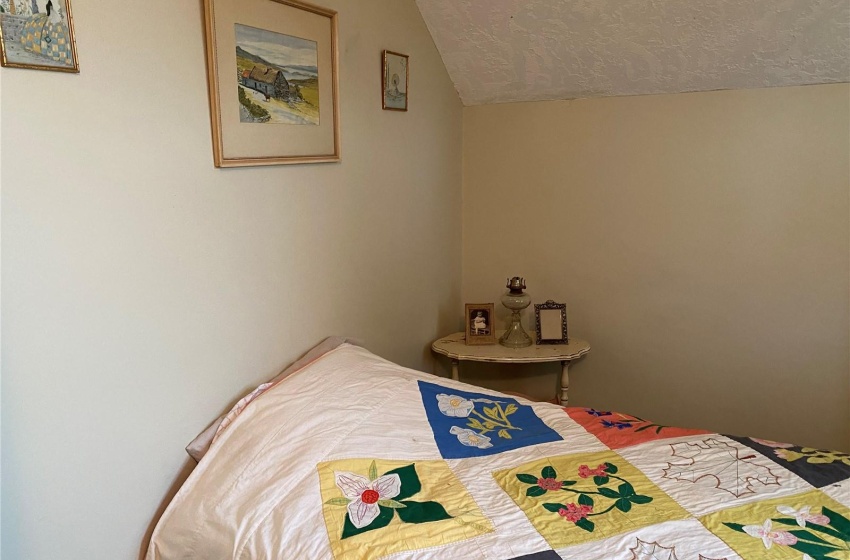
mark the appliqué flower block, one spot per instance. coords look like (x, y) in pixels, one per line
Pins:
(813, 541)
(811, 524)
(618, 430)
(813, 456)
(818, 467)
(362, 498)
(372, 502)
(472, 424)
(597, 494)
(579, 503)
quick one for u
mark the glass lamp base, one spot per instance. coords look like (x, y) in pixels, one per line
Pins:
(515, 336)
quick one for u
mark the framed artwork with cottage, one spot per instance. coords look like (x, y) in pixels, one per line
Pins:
(395, 79)
(38, 34)
(272, 67)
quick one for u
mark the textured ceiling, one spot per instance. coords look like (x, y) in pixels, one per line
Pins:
(522, 50)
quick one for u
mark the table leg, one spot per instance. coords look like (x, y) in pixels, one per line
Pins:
(563, 397)
(455, 372)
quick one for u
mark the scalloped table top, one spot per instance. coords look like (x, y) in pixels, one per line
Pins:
(454, 346)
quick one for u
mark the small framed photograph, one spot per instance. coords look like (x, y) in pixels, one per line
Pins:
(479, 324)
(395, 80)
(551, 319)
(38, 34)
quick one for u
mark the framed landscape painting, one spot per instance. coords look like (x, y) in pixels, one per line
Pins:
(38, 34)
(272, 69)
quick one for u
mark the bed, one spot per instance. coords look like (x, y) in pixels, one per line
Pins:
(348, 456)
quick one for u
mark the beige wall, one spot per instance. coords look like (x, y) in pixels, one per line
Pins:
(143, 290)
(700, 241)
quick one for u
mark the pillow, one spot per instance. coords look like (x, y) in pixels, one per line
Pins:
(201, 444)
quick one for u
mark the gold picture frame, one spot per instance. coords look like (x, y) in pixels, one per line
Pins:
(273, 74)
(38, 35)
(393, 97)
(480, 328)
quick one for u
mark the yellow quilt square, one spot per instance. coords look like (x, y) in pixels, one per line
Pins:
(789, 527)
(373, 508)
(573, 499)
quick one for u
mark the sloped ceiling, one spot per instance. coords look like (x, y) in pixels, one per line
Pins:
(526, 50)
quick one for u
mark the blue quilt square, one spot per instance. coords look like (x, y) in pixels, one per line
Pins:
(474, 424)
(818, 467)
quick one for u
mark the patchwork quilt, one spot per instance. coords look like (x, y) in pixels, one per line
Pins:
(354, 457)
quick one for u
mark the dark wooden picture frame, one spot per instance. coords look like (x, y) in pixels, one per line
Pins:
(484, 313)
(547, 332)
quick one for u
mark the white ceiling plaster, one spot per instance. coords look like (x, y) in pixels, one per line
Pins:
(526, 50)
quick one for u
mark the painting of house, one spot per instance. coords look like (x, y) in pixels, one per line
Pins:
(278, 77)
(271, 83)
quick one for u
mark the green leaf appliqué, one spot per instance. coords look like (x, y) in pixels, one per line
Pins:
(586, 524)
(422, 512)
(623, 504)
(410, 484)
(626, 490)
(585, 500)
(338, 502)
(535, 491)
(527, 478)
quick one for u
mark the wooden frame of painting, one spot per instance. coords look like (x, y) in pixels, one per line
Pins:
(38, 34)
(479, 319)
(393, 98)
(272, 67)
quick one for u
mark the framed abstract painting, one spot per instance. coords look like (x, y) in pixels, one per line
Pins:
(38, 34)
(272, 67)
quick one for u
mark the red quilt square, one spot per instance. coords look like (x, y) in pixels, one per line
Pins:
(618, 430)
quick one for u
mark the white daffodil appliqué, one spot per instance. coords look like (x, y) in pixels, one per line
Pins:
(365, 495)
(768, 535)
(803, 516)
(470, 438)
(455, 406)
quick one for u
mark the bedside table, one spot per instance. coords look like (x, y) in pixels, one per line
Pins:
(455, 348)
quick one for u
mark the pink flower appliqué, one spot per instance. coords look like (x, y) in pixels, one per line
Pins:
(585, 472)
(575, 512)
(768, 536)
(549, 483)
(774, 444)
(803, 516)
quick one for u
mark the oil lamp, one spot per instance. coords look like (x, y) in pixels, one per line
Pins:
(516, 300)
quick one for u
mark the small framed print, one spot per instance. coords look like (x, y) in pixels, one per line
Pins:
(551, 320)
(38, 34)
(395, 80)
(479, 324)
